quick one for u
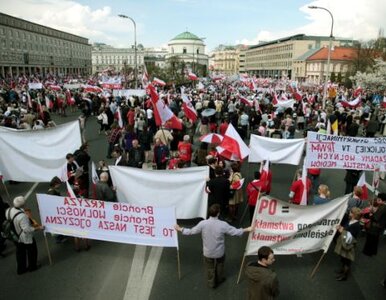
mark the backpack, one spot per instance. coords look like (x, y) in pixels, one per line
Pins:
(8, 230)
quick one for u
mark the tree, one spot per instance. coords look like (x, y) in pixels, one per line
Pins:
(339, 78)
(333, 77)
(374, 79)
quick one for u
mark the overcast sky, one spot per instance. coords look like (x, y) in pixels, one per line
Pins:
(218, 21)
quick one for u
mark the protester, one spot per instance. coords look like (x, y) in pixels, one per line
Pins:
(351, 179)
(237, 195)
(262, 281)
(218, 189)
(113, 138)
(120, 160)
(323, 195)
(26, 249)
(213, 233)
(346, 243)
(297, 188)
(161, 154)
(185, 151)
(102, 189)
(136, 155)
(254, 189)
(376, 225)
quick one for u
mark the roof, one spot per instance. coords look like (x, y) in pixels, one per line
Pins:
(187, 36)
(307, 54)
(337, 53)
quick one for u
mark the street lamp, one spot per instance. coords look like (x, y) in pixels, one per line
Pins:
(135, 48)
(329, 53)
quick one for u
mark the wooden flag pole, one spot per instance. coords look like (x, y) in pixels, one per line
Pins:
(178, 264)
(47, 248)
(249, 237)
(317, 265)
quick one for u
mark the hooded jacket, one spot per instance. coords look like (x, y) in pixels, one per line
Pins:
(262, 282)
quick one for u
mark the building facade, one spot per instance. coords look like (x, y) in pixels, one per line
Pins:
(275, 58)
(27, 48)
(188, 48)
(226, 61)
(106, 57)
(340, 63)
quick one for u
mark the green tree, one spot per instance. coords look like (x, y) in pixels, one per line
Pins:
(339, 77)
(333, 77)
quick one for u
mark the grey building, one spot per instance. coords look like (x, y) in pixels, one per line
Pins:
(27, 48)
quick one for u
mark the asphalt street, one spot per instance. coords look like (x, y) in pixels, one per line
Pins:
(118, 271)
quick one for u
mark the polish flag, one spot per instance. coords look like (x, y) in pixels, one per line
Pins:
(233, 145)
(238, 184)
(157, 81)
(94, 178)
(246, 101)
(187, 106)
(303, 201)
(192, 76)
(358, 91)
(145, 76)
(48, 102)
(362, 184)
(384, 102)
(70, 191)
(274, 99)
(264, 174)
(162, 112)
(118, 116)
(354, 103)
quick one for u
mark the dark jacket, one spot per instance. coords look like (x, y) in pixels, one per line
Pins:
(218, 190)
(136, 157)
(262, 282)
(104, 192)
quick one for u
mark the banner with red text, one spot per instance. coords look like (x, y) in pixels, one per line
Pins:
(294, 229)
(182, 188)
(286, 151)
(108, 221)
(345, 152)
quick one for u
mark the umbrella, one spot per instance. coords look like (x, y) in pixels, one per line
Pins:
(208, 112)
(211, 138)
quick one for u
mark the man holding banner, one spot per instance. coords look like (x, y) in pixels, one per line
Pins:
(213, 232)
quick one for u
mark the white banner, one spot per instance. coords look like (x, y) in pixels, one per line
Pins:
(285, 103)
(72, 86)
(294, 229)
(345, 152)
(128, 93)
(182, 188)
(281, 151)
(108, 221)
(37, 155)
(35, 85)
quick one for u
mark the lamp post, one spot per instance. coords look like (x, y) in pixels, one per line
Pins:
(135, 48)
(329, 53)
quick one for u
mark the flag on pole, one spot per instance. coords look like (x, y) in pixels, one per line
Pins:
(70, 191)
(192, 76)
(94, 178)
(237, 185)
(233, 145)
(145, 77)
(362, 184)
(303, 201)
(29, 100)
(157, 81)
(245, 101)
(118, 116)
(162, 112)
(264, 174)
(187, 106)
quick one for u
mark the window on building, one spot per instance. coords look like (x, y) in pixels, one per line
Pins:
(184, 50)
(198, 51)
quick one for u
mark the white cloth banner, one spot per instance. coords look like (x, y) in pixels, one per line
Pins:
(108, 221)
(72, 86)
(182, 188)
(35, 85)
(294, 229)
(281, 151)
(285, 103)
(37, 155)
(128, 93)
(345, 152)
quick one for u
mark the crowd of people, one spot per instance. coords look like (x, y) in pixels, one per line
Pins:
(134, 139)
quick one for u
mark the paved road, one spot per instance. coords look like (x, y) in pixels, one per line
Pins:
(118, 271)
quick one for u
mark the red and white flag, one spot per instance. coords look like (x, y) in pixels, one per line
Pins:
(70, 191)
(187, 106)
(245, 101)
(303, 201)
(353, 103)
(192, 76)
(357, 92)
(29, 100)
(384, 102)
(233, 146)
(48, 102)
(238, 184)
(118, 116)
(145, 77)
(274, 99)
(158, 81)
(162, 113)
(362, 184)
(94, 178)
(264, 173)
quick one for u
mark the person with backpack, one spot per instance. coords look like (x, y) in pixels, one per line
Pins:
(21, 233)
